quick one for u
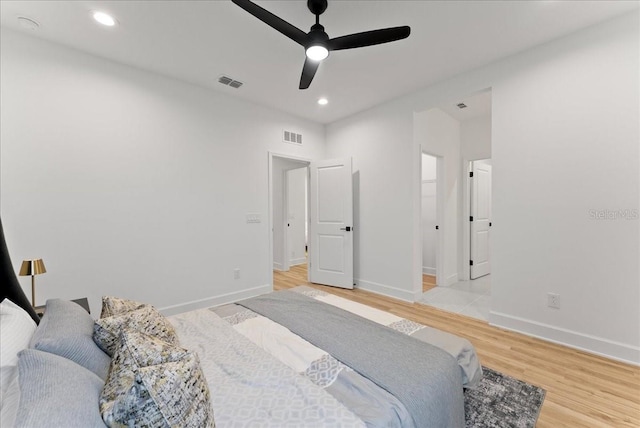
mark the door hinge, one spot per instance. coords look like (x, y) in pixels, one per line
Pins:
(470, 262)
(470, 218)
(471, 174)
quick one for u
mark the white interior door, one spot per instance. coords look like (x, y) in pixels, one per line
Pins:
(480, 219)
(331, 223)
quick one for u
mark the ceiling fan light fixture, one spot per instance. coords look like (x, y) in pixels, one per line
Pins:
(317, 52)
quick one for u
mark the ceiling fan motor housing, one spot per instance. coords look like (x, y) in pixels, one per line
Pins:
(317, 7)
(317, 36)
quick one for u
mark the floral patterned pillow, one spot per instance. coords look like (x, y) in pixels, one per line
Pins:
(154, 383)
(115, 306)
(147, 319)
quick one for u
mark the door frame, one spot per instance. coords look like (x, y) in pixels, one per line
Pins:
(439, 217)
(466, 224)
(303, 162)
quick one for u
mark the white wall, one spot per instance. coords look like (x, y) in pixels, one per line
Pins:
(384, 259)
(572, 147)
(564, 142)
(475, 138)
(132, 184)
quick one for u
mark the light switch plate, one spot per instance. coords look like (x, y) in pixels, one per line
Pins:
(253, 218)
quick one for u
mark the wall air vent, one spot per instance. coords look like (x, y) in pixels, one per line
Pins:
(461, 105)
(291, 137)
(226, 80)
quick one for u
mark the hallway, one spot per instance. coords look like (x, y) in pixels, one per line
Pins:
(470, 298)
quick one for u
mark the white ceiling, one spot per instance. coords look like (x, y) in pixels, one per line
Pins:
(197, 41)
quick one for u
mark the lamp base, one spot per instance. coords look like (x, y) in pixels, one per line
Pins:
(33, 291)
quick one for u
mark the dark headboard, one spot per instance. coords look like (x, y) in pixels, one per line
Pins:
(9, 282)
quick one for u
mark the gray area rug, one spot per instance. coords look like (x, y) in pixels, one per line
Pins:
(501, 401)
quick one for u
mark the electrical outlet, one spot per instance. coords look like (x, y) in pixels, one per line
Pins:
(553, 300)
(236, 273)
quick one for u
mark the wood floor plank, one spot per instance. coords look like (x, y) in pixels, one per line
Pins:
(428, 282)
(583, 390)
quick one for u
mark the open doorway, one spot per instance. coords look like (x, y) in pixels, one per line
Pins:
(459, 133)
(289, 218)
(323, 207)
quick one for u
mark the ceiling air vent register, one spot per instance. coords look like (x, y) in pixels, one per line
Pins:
(291, 137)
(226, 80)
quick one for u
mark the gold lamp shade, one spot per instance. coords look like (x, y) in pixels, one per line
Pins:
(32, 268)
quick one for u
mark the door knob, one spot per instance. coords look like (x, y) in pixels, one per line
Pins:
(348, 228)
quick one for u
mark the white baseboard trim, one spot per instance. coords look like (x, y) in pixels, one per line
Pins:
(450, 280)
(216, 300)
(298, 261)
(385, 290)
(277, 266)
(428, 270)
(584, 342)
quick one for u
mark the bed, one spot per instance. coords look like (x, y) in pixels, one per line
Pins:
(300, 357)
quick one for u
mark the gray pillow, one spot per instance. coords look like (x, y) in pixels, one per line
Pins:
(67, 330)
(56, 392)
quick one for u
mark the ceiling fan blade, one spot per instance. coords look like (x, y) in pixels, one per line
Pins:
(369, 38)
(308, 72)
(273, 21)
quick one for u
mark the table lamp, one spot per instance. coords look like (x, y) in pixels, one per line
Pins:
(32, 267)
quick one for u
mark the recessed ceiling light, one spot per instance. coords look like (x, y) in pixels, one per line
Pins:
(28, 23)
(323, 101)
(104, 19)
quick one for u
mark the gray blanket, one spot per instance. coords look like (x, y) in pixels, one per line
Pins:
(423, 377)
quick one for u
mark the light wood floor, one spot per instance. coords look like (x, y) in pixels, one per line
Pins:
(583, 390)
(428, 282)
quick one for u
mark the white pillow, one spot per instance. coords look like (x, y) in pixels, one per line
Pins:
(10, 403)
(16, 329)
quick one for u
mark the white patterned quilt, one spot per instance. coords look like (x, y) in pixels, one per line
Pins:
(248, 386)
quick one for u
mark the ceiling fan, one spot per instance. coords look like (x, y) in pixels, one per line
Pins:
(316, 42)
